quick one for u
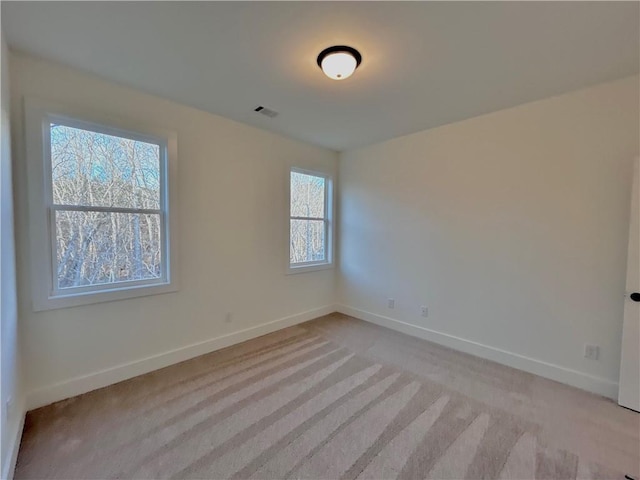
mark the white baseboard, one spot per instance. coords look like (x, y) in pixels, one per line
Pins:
(86, 383)
(9, 467)
(109, 376)
(584, 381)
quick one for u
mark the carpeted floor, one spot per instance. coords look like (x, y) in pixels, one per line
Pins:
(306, 402)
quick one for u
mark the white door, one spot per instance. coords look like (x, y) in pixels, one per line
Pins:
(629, 389)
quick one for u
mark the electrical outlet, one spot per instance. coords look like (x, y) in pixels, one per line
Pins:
(228, 318)
(592, 352)
(391, 303)
(424, 311)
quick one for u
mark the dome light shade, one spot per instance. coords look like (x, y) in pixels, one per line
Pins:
(339, 62)
(339, 65)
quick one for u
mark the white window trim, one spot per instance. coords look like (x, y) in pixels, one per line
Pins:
(329, 228)
(45, 295)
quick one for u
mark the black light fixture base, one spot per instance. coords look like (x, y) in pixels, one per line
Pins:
(340, 48)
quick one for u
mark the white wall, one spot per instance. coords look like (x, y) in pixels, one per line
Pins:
(11, 387)
(511, 227)
(232, 243)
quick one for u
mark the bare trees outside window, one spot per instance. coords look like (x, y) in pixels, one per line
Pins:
(107, 208)
(308, 219)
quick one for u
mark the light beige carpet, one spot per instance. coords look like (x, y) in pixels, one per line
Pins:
(293, 404)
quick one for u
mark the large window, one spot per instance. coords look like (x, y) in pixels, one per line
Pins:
(310, 220)
(105, 203)
(106, 193)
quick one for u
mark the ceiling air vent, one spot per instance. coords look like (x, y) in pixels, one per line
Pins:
(267, 112)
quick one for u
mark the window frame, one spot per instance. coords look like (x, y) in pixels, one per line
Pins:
(327, 263)
(46, 294)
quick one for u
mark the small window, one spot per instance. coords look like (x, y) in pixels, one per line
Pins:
(310, 221)
(106, 207)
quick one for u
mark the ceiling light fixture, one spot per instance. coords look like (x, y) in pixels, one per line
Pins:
(339, 62)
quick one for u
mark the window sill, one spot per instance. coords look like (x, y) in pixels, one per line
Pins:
(309, 268)
(113, 294)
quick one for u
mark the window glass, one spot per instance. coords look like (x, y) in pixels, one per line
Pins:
(107, 219)
(307, 195)
(94, 248)
(309, 223)
(94, 169)
(307, 241)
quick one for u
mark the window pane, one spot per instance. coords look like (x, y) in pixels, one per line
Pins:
(307, 195)
(94, 169)
(104, 247)
(307, 241)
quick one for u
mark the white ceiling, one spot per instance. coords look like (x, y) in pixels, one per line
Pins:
(424, 64)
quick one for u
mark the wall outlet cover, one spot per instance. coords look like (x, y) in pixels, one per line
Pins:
(592, 352)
